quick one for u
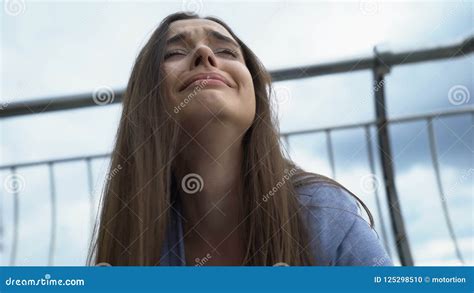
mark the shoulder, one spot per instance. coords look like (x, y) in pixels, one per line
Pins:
(327, 196)
(329, 212)
(337, 231)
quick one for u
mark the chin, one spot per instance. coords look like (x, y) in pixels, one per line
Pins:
(208, 108)
(212, 99)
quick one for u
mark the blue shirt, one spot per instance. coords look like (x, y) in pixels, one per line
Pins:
(338, 236)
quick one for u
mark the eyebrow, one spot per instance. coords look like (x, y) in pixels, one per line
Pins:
(181, 38)
(221, 37)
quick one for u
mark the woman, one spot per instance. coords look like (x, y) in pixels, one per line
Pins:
(203, 178)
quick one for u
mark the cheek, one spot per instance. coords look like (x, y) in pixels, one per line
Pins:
(168, 76)
(248, 90)
(169, 83)
(246, 97)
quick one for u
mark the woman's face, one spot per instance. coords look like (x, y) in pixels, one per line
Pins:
(206, 77)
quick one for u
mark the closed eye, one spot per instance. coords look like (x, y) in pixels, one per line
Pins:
(174, 53)
(225, 51)
(228, 52)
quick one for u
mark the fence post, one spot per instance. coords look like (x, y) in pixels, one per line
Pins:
(401, 237)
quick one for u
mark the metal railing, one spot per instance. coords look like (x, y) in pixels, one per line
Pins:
(380, 65)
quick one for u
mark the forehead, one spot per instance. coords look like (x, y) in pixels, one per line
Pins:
(196, 27)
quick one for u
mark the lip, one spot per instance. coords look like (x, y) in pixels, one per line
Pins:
(205, 76)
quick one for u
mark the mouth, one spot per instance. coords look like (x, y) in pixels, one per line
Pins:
(205, 79)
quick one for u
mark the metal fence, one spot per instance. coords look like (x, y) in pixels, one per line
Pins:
(380, 64)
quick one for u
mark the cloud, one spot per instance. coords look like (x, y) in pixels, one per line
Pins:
(439, 252)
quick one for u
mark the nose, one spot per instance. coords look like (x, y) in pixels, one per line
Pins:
(204, 56)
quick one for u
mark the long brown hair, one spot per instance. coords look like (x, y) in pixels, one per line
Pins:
(136, 200)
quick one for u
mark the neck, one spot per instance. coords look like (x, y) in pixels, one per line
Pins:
(212, 210)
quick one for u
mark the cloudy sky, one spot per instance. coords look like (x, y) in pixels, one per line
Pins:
(52, 49)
